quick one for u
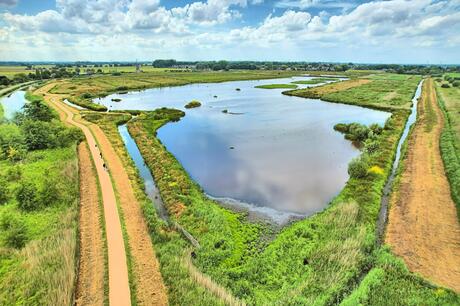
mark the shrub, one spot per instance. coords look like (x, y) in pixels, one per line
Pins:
(49, 193)
(37, 110)
(27, 196)
(456, 84)
(14, 173)
(12, 142)
(371, 146)
(14, 233)
(445, 85)
(4, 192)
(86, 95)
(357, 168)
(39, 135)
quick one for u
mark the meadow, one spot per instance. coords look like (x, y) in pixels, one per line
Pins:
(380, 91)
(38, 208)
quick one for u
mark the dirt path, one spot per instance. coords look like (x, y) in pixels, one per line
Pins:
(423, 228)
(119, 292)
(90, 284)
(150, 289)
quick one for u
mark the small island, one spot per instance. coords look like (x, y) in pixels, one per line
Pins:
(276, 86)
(116, 100)
(193, 104)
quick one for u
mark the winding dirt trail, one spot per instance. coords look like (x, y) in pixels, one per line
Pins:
(423, 228)
(119, 292)
(150, 289)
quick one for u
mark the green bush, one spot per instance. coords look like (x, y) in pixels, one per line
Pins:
(37, 110)
(357, 168)
(12, 142)
(445, 85)
(14, 232)
(27, 196)
(456, 84)
(86, 95)
(4, 192)
(14, 173)
(49, 193)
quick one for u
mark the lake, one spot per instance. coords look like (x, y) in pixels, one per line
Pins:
(271, 154)
(13, 103)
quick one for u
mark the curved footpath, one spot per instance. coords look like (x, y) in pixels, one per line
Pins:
(119, 292)
(423, 227)
(150, 289)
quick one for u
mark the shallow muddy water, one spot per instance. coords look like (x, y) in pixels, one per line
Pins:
(274, 154)
(13, 103)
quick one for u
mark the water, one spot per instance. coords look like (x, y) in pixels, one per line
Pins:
(279, 156)
(383, 214)
(13, 103)
(150, 187)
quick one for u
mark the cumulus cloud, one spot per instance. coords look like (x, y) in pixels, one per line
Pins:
(148, 24)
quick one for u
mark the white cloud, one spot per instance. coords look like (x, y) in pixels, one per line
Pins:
(152, 29)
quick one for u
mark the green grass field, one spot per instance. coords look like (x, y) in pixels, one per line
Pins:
(382, 91)
(315, 81)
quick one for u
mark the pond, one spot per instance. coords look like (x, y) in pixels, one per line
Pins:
(13, 103)
(272, 154)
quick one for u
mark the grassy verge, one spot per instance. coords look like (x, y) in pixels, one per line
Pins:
(450, 139)
(38, 212)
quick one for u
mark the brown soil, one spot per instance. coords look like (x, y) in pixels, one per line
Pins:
(90, 284)
(423, 228)
(150, 289)
(119, 292)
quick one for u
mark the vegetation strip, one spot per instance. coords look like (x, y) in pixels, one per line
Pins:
(38, 208)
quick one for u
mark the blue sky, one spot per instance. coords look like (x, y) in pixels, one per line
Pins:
(393, 31)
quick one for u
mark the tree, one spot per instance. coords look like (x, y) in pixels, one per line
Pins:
(37, 110)
(39, 135)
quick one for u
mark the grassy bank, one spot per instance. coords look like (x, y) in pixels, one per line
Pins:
(449, 100)
(38, 209)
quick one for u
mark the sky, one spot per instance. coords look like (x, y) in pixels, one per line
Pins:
(394, 31)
